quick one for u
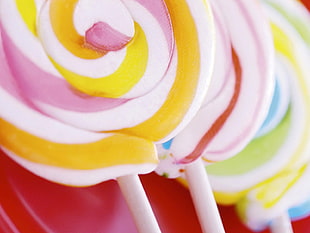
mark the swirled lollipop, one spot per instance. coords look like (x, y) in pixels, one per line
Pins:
(237, 100)
(87, 116)
(87, 87)
(269, 174)
(241, 88)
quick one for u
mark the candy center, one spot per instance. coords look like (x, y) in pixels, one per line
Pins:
(103, 37)
(106, 24)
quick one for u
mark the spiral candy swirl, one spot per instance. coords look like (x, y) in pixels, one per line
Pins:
(88, 86)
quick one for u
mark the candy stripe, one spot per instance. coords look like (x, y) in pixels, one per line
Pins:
(220, 121)
(292, 190)
(122, 80)
(177, 103)
(279, 105)
(298, 18)
(151, 57)
(300, 211)
(28, 11)
(231, 167)
(14, 25)
(78, 177)
(273, 189)
(222, 70)
(159, 11)
(118, 83)
(281, 43)
(38, 84)
(62, 23)
(36, 123)
(6, 83)
(110, 151)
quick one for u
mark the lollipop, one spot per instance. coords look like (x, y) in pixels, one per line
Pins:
(274, 202)
(238, 97)
(271, 170)
(87, 87)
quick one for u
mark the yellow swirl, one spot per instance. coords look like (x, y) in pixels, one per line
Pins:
(183, 91)
(110, 151)
(61, 15)
(122, 80)
(28, 11)
(114, 85)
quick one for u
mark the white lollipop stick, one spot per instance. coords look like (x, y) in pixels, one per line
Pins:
(203, 198)
(138, 204)
(281, 224)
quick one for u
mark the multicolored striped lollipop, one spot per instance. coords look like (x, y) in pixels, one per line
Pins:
(270, 175)
(79, 109)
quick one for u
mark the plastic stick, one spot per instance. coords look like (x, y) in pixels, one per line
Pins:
(138, 204)
(203, 198)
(281, 224)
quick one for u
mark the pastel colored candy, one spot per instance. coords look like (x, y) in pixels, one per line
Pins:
(271, 175)
(239, 94)
(288, 191)
(79, 109)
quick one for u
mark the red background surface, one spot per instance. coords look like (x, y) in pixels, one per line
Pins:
(306, 3)
(29, 204)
